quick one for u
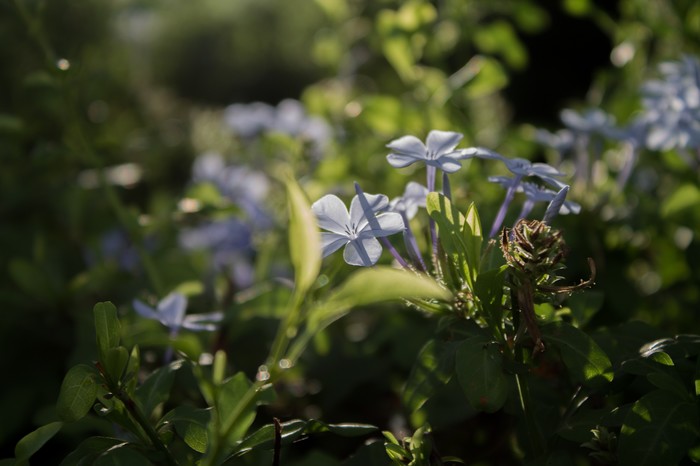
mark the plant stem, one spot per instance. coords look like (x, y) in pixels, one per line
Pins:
(141, 420)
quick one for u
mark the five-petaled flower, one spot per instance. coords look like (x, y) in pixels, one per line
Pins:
(353, 230)
(439, 151)
(170, 311)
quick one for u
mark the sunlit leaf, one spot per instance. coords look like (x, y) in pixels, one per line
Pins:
(433, 368)
(121, 455)
(304, 238)
(78, 392)
(659, 429)
(585, 361)
(368, 286)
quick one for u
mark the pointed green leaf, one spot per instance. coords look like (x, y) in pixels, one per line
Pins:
(304, 238)
(115, 362)
(235, 414)
(473, 239)
(32, 442)
(156, 388)
(132, 370)
(120, 455)
(106, 327)
(659, 429)
(433, 368)
(78, 392)
(368, 286)
(585, 361)
(190, 424)
(451, 230)
(479, 367)
(89, 450)
(489, 290)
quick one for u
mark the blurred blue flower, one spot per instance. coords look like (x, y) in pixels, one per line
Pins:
(672, 106)
(414, 196)
(289, 117)
(519, 167)
(536, 193)
(352, 228)
(230, 243)
(170, 311)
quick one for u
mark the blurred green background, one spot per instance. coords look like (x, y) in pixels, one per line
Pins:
(98, 83)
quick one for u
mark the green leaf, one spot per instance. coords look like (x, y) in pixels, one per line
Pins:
(684, 198)
(304, 238)
(433, 368)
(659, 429)
(106, 327)
(295, 429)
(489, 290)
(479, 366)
(585, 305)
(78, 392)
(115, 363)
(32, 442)
(156, 388)
(232, 408)
(89, 450)
(489, 77)
(473, 239)
(451, 227)
(132, 370)
(122, 454)
(585, 361)
(190, 424)
(369, 286)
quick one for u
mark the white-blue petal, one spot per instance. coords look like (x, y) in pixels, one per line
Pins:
(171, 310)
(408, 145)
(442, 142)
(331, 242)
(375, 202)
(362, 252)
(144, 311)
(402, 160)
(331, 214)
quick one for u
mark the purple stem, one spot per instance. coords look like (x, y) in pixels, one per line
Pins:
(446, 186)
(385, 241)
(498, 221)
(412, 245)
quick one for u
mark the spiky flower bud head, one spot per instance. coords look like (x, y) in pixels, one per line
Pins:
(533, 250)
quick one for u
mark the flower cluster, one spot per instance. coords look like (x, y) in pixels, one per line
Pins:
(288, 117)
(229, 239)
(669, 120)
(371, 218)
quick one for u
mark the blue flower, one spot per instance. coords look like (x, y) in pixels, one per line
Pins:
(230, 243)
(414, 196)
(672, 106)
(170, 311)
(520, 167)
(352, 229)
(439, 151)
